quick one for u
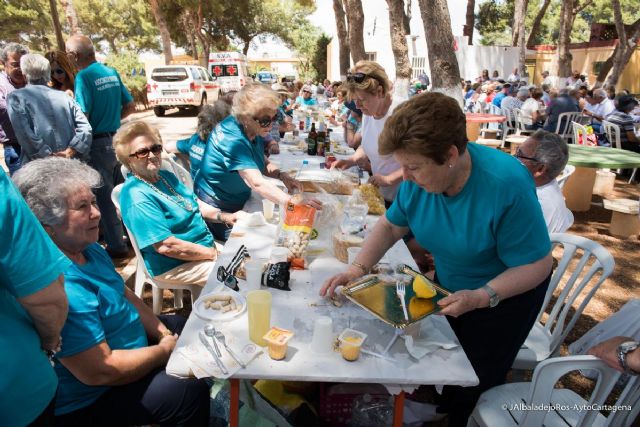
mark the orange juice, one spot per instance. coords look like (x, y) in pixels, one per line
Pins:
(259, 314)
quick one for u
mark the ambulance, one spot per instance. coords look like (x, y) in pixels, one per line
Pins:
(230, 69)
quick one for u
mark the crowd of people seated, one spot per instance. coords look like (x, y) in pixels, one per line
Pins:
(109, 350)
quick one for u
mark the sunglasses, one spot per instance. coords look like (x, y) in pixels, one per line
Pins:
(519, 155)
(227, 278)
(360, 77)
(144, 153)
(265, 122)
(306, 91)
(57, 71)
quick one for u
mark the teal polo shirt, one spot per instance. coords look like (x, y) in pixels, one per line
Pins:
(29, 262)
(194, 147)
(229, 151)
(151, 218)
(101, 95)
(493, 224)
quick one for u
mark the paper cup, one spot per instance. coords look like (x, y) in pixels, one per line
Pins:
(253, 270)
(267, 209)
(322, 341)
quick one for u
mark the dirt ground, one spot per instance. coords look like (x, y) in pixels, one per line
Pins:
(619, 288)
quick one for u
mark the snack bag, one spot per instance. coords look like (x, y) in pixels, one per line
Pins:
(295, 232)
(590, 139)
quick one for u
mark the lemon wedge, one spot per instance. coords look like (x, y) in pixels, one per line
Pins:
(422, 288)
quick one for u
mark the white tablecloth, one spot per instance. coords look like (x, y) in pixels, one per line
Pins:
(296, 310)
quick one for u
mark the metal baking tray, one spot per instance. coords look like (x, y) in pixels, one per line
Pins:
(377, 295)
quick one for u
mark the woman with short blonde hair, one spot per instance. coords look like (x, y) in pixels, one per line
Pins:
(234, 163)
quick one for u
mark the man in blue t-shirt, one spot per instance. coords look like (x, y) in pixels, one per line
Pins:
(33, 308)
(105, 101)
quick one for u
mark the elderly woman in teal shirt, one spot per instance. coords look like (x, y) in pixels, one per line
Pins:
(475, 209)
(234, 163)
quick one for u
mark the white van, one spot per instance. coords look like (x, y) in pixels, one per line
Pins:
(181, 86)
(230, 68)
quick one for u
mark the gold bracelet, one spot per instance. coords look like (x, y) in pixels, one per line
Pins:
(364, 269)
(165, 333)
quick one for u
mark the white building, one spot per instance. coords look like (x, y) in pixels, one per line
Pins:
(377, 41)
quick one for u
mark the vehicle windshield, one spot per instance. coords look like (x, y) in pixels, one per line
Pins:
(169, 74)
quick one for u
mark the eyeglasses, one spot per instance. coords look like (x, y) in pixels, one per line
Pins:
(144, 153)
(228, 279)
(58, 71)
(360, 77)
(519, 155)
(265, 122)
(306, 91)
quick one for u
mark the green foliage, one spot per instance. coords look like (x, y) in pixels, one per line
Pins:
(27, 22)
(494, 20)
(124, 63)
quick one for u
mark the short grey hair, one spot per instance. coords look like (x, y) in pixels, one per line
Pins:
(46, 184)
(552, 151)
(252, 98)
(36, 68)
(12, 48)
(600, 93)
(210, 116)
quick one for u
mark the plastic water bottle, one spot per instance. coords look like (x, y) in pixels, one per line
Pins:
(355, 214)
(307, 122)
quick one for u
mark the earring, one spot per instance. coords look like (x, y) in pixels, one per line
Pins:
(450, 165)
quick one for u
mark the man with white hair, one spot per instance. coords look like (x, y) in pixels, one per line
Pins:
(105, 101)
(46, 122)
(516, 100)
(545, 155)
(10, 79)
(598, 106)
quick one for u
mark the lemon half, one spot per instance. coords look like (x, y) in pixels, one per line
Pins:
(422, 288)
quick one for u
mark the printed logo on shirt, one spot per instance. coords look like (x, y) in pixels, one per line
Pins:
(197, 151)
(104, 83)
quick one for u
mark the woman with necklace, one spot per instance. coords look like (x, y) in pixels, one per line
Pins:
(234, 164)
(476, 210)
(111, 366)
(161, 213)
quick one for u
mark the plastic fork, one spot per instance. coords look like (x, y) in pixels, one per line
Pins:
(400, 291)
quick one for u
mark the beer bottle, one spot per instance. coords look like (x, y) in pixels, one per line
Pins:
(321, 143)
(312, 141)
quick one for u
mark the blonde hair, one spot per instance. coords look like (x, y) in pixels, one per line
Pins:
(377, 78)
(252, 98)
(129, 132)
(428, 124)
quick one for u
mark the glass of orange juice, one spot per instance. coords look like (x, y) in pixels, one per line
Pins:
(259, 308)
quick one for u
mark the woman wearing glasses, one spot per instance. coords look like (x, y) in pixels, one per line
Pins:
(305, 99)
(368, 85)
(234, 163)
(161, 213)
(63, 73)
(475, 209)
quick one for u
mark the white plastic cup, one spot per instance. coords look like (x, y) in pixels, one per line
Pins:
(352, 253)
(322, 341)
(267, 209)
(253, 270)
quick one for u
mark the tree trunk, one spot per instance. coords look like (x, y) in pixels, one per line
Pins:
(355, 21)
(519, 15)
(535, 28)
(56, 25)
(245, 47)
(164, 30)
(343, 38)
(399, 47)
(72, 17)
(444, 70)
(622, 53)
(470, 19)
(566, 24)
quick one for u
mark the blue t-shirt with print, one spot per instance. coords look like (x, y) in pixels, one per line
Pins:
(493, 224)
(308, 102)
(497, 100)
(194, 147)
(98, 311)
(229, 151)
(101, 95)
(151, 218)
(29, 262)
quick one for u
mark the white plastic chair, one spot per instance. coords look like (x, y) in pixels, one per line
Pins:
(566, 173)
(563, 128)
(143, 276)
(592, 267)
(170, 165)
(519, 123)
(612, 131)
(504, 405)
(579, 130)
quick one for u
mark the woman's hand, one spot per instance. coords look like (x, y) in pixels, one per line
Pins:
(380, 180)
(342, 164)
(462, 302)
(291, 183)
(232, 218)
(168, 343)
(341, 279)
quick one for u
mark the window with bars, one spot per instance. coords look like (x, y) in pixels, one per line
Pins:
(371, 56)
(418, 65)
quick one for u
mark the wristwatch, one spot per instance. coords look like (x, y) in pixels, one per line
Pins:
(623, 349)
(494, 298)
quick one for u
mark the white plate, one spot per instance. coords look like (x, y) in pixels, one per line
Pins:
(217, 315)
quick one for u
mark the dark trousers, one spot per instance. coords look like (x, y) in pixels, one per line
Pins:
(46, 418)
(157, 398)
(491, 338)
